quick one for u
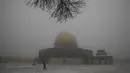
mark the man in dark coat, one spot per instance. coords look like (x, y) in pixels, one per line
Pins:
(44, 65)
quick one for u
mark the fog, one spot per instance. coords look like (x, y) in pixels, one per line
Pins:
(104, 24)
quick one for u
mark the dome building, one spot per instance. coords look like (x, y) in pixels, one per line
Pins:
(66, 51)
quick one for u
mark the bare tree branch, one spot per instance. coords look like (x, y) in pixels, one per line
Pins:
(62, 10)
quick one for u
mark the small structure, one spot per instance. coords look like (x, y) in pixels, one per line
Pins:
(102, 58)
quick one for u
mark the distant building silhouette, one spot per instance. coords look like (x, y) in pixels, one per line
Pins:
(66, 51)
(102, 58)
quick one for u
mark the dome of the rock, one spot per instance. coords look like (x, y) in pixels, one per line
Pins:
(65, 39)
(66, 51)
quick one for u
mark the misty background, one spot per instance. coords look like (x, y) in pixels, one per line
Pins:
(104, 24)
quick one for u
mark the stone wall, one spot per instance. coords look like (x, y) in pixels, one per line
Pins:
(66, 61)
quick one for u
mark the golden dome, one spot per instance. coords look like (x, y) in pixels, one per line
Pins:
(65, 37)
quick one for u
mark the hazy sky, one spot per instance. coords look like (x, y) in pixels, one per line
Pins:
(104, 24)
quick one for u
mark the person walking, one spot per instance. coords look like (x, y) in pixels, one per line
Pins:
(44, 65)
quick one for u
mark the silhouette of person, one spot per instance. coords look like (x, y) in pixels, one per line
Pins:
(44, 65)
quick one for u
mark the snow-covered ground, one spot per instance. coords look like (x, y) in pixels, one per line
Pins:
(28, 68)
